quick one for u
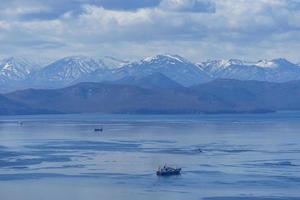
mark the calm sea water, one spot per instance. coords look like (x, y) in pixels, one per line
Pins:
(247, 157)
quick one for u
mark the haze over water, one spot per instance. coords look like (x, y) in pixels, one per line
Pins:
(222, 157)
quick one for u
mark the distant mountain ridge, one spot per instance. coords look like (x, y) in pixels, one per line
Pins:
(277, 70)
(175, 68)
(16, 73)
(11, 107)
(217, 96)
(156, 80)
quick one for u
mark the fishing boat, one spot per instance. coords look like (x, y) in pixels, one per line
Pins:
(168, 171)
(98, 129)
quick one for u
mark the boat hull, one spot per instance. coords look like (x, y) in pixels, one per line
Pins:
(169, 173)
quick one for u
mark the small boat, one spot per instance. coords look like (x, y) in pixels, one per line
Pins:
(98, 129)
(168, 171)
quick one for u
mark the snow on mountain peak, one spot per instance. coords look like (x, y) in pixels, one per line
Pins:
(16, 68)
(113, 63)
(16, 62)
(217, 65)
(236, 62)
(275, 63)
(227, 63)
(164, 58)
(265, 64)
(71, 68)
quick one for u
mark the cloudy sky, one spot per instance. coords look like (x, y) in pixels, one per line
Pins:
(196, 29)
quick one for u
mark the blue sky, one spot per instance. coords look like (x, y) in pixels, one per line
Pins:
(196, 29)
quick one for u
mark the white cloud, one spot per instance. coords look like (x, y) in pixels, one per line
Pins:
(233, 28)
(188, 5)
(16, 10)
(4, 25)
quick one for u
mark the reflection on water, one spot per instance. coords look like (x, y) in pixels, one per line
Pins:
(247, 157)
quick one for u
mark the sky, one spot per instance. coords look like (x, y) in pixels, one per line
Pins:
(130, 29)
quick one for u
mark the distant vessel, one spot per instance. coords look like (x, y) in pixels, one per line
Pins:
(168, 171)
(98, 129)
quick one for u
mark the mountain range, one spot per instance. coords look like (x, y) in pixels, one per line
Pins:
(158, 84)
(156, 94)
(277, 70)
(19, 73)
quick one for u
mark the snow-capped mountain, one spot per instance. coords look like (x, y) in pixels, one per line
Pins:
(15, 69)
(66, 71)
(172, 66)
(277, 70)
(20, 73)
(113, 63)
